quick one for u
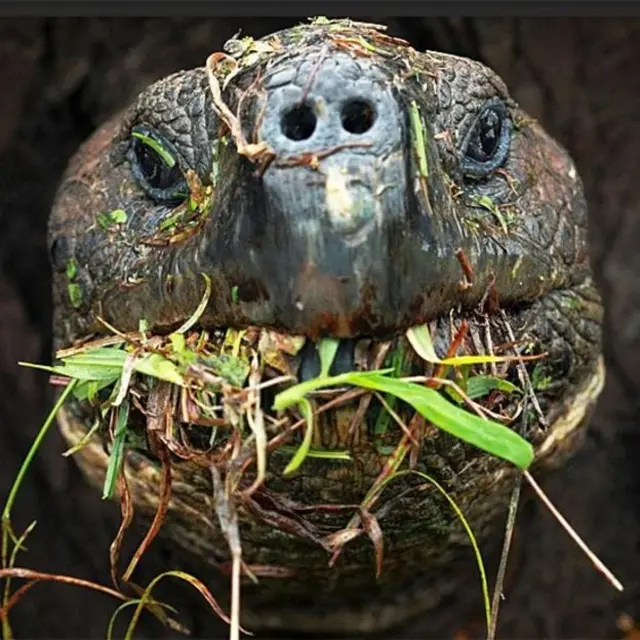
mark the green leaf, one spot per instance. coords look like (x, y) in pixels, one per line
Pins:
(323, 454)
(99, 357)
(479, 386)
(112, 218)
(297, 392)
(233, 370)
(158, 366)
(327, 349)
(487, 203)
(420, 339)
(106, 364)
(171, 220)
(489, 436)
(384, 417)
(177, 342)
(88, 389)
(307, 412)
(117, 451)
(75, 294)
(72, 269)
(418, 133)
(119, 216)
(79, 372)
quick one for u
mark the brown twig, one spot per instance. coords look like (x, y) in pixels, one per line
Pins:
(253, 152)
(525, 380)
(502, 567)
(467, 270)
(126, 511)
(28, 574)
(158, 519)
(597, 563)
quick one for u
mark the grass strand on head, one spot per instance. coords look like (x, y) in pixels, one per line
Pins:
(44, 429)
(469, 531)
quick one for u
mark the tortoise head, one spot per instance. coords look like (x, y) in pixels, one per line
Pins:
(329, 180)
(329, 189)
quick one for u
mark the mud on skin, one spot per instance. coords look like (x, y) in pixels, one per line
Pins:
(380, 166)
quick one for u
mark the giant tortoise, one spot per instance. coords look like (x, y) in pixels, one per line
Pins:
(354, 189)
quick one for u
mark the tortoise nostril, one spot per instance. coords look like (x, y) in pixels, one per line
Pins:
(299, 123)
(357, 116)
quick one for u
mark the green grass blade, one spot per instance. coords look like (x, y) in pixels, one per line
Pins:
(167, 158)
(472, 538)
(417, 129)
(322, 454)
(84, 440)
(490, 436)
(146, 595)
(158, 366)
(99, 357)
(117, 451)
(327, 349)
(131, 603)
(6, 512)
(7, 633)
(297, 392)
(307, 412)
(420, 339)
(78, 372)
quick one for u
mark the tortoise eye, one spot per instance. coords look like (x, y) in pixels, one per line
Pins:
(154, 165)
(486, 146)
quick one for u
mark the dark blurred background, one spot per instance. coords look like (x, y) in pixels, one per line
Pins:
(60, 78)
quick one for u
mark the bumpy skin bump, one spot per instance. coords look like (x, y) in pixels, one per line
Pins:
(343, 234)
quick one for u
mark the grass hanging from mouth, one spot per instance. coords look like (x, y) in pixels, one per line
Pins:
(213, 378)
(486, 434)
(469, 532)
(117, 451)
(303, 450)
(420, 339)
(15, 488)
(131, 603)
(181, 575)
(327, 349)
(7, 601)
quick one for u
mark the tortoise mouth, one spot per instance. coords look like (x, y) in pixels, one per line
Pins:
(293, 522)
(524, 359)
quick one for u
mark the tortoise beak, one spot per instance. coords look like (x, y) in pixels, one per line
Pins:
(334, 193)
(332, 227)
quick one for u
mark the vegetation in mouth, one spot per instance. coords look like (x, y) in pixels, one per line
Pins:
(230, 402)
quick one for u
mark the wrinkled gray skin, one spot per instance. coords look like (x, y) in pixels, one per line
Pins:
(363, 244)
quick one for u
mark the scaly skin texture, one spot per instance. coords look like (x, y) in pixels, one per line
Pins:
(303, 262)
